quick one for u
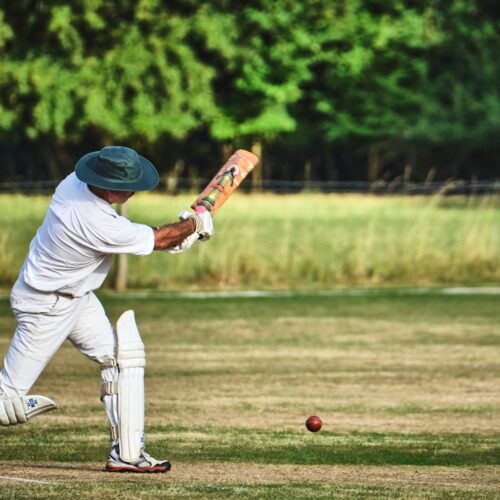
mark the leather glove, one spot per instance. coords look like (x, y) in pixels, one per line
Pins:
(203, 222)
(185, 244)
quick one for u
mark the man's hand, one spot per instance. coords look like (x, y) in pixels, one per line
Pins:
(186, 244)
(181, 235)
(172, 235)
(204, 226)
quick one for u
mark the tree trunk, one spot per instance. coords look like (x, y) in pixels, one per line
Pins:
(257, 171)
(330, 170)
(173, 176)
(227, 149)
(307, 174)
(373, 163)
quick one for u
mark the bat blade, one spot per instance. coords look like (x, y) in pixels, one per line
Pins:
(225, 181)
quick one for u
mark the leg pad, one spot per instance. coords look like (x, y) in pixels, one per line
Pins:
(131, 362)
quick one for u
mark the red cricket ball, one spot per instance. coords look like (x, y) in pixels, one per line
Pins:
(314, 423)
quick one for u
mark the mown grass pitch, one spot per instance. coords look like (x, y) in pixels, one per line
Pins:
(407, 387)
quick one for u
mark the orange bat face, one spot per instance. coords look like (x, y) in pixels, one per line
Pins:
(227, 179)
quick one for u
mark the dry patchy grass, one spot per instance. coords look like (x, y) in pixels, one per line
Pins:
(228, 399)
(460, 478)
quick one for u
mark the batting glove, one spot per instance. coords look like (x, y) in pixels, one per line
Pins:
(185, 244)
(204, 226)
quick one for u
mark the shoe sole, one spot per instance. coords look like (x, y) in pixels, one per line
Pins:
(153, 469)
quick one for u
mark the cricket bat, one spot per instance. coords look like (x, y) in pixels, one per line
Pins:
(225, 181)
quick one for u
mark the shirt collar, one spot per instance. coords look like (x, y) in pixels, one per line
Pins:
(96, 200)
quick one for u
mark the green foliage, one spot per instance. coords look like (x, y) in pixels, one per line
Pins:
(462, 80)
(363, 74)
(369, 74)
(127, 69)
(276, 55)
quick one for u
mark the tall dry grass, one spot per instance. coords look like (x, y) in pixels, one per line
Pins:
(302, 241)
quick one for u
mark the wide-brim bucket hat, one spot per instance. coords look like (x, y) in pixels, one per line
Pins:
(118, 168)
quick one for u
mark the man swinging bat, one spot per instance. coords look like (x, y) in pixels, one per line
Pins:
(53, 298)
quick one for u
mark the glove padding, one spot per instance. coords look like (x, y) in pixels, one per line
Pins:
(204, 225)
(204, 230)
(185, 244)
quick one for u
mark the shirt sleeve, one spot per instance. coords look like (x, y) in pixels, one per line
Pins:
(117, 234)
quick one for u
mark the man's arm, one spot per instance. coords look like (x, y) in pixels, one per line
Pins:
(180, 236)
(171, 235)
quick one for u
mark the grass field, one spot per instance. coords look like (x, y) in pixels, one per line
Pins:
(406, 384)
(301, 241)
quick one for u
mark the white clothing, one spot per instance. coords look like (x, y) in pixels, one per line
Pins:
(53, 297)
(44, 322)
(72, 250)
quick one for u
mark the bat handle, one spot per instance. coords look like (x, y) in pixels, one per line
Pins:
(199, 209)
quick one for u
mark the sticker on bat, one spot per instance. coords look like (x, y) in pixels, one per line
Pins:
(229, 177)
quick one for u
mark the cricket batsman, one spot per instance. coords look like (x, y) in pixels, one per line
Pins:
(53, 298)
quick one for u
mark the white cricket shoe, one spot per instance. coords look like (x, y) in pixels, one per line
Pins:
(146, 463)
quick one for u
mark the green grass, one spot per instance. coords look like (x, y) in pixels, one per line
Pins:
(406, 385)
(301, 241)
(227, 444)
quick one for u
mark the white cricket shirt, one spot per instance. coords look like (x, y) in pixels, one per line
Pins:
(73, 248)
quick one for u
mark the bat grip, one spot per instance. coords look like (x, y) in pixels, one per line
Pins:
(199, 209)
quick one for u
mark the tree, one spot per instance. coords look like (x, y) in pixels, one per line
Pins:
(263, 75)
(125, 69)
(349, 89)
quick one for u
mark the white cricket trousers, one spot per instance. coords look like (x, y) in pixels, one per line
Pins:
(44, 322)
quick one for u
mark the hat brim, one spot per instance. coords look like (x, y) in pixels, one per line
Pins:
(84, 171)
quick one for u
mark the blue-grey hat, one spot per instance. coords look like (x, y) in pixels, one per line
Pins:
(118, 168)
